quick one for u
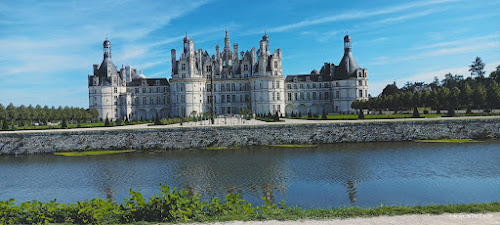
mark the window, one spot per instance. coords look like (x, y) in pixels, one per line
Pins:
(326, 95)
(137, 90)
(320, 95)
(151, 100)
(294, 86)
(150, 90)
(157, 100)
(228, 97)
(301, 86)
(183, 99)
(314, 96)
(337, 94)
(277, 96)
(314, 85)
(222, 87)
(289, 96)
(337, 84)
(116, 90)
(360, 83)
(183, 75)
(183, 66)
(308, 96)
(276, 64)
(274, 98)
(241, 98)
(360, 93)
(277, 84)
(233, 87)
(272, 84)
(144, 101)
(301, 95)
(296, 98)
(234, 98)
(228, 87)
(143, 90)
(245, 67)
(289, 86)
(158, 90)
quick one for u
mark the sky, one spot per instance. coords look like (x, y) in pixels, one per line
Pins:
(48, 47)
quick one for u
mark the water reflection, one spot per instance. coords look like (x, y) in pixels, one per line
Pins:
(364, 175)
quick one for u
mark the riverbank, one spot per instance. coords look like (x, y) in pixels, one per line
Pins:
(173, 205)
(252, 133)
(443, 219)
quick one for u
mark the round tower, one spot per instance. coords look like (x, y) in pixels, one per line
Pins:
(107, 48)
(347, 44)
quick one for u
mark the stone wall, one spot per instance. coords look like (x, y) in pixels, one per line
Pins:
(175, 138)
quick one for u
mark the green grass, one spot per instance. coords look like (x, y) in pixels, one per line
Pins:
(369, 117)
(449, 141)
(174, 206)
(293, 146)
(87, 153)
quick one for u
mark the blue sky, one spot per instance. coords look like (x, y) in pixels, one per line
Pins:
(48, 47)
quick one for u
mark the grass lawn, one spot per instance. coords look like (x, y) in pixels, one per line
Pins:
(369, 117)
(87, 153)
(449, 141)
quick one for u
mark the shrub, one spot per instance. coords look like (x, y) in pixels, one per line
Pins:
(426, 111)
(63, 124)
(361, 115)
(107, 123)
(416, 114)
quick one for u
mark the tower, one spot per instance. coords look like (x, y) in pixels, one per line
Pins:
(347, 44)
(107, 49)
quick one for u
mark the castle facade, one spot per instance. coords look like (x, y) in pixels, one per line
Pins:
(229, 81)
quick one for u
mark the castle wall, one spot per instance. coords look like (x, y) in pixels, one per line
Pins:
(178, 138)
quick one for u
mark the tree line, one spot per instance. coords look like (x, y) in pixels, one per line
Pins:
(452, 93)
(22, 115)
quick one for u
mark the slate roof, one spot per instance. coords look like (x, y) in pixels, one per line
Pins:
(150, 81)
(312, 77)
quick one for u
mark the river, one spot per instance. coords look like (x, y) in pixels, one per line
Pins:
(364, 174)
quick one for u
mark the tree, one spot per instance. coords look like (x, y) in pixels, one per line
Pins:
(495, 75)
(3, 112)
(12, 112)
(390, 89)
(5, 124)
(453, 98)
(324, 116)
(466, 96)
(477, 68)
(493, 96)
(479, 96)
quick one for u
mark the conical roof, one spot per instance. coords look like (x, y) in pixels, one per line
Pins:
(347, 67)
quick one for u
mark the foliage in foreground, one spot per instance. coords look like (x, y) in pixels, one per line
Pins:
(172, 205)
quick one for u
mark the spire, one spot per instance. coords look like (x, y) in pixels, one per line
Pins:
(227, 42)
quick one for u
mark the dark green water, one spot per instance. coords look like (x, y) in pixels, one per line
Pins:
(365, 175)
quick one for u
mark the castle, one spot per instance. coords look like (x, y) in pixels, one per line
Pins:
(229, 81)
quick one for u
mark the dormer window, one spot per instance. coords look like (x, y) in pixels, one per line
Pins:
(245, 67)
(320, 78)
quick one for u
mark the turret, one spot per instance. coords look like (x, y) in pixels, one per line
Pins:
(347, 44)
(174, 59)
(107, 49)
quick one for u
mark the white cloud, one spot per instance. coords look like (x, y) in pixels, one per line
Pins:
(358, 15)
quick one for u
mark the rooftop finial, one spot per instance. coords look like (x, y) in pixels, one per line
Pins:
(226, 33)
